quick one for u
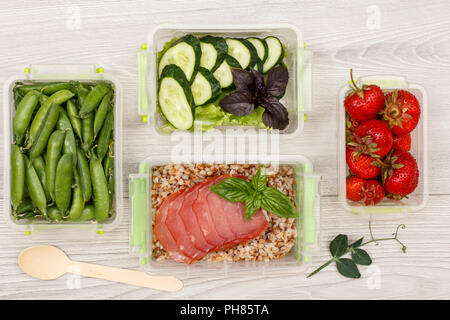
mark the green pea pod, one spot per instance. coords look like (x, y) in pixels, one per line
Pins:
(100, 188)
(72, 112)
(88, 131)
(108, 165)
(25, 206)
(48, 127)
(38, 122)
(35, 189)
(24, 89)
(101, 112)
(54, 147)
(43, 99)
(27, 215)
(105, 135)
(63, 182)
(17, 176)
(70, 145)
(51, 88)
(88, 213)
(55, 214)
(39, 166)
(63, 121)
(24, 113)
(85, 175)
(77, 199)
(18, 96)
(93, 99)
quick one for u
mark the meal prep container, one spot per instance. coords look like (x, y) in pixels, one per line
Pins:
(388, 209)
(308, 225)
(66, 229)
(298, 96)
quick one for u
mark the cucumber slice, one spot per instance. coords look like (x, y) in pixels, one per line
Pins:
(260, 46)
(175, 97)
(185, 53)
(214, 51)
(205, 88)
(223, 72)
(275, 53)
(243, 51)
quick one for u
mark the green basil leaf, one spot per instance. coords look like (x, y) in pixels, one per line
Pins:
(348, 268)
(357, 243)
(339, 245)
(252, 205)
(275, 201)
(259, 181)
(361, 257)
(233, 189)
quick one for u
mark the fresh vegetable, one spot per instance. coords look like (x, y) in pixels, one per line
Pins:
(223, 73)
(400, 174)
(57, 185)
(340, 247)
(402, 111)
(17, 176)
(251, 92)
(243, 51)
(100, 189)
(175, 97)
(205, 88)
(256, 195)
(362, 165)
(261, 49)
(24, 113)
(364, 103)
(184, 53)
(275, 53)
(214, 51)
(373, 137)
(402, 142)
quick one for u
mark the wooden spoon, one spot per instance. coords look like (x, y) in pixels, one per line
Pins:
(48, 263)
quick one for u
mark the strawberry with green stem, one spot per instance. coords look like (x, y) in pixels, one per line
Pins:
(362, 165)
(372, 137)
(402, 112)
(368, 192)
(363, 103)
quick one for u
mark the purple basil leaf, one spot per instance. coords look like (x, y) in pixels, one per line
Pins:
(238, 102)
(277, 80)
(260, 87)
(275, 116)
(243, 80)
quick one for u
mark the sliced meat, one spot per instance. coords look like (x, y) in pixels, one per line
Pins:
(201, 209)
(190, 221)
(176, 227)
(163, 234)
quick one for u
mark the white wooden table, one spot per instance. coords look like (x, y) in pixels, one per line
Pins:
(410, 38)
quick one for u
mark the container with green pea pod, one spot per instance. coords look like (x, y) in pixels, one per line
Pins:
(50, 189)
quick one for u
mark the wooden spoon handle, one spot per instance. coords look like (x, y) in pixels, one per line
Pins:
(137, 278)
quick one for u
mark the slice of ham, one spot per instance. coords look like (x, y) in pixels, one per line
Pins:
(176, 227)
(193, 222)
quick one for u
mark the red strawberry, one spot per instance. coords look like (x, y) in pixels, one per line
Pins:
(373, 137)
(368, 192)
(350, 127)
(372, 193)
(400, 174)
(362, 165)
(402, 111)
(364, 103)
(402, 142)
(354, 186)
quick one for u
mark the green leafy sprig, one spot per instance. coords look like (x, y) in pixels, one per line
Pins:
(256, 194)
(347, 267)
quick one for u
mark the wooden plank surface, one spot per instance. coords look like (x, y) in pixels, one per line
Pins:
(408, 38)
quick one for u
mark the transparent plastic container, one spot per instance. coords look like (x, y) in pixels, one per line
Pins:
(66, 229)
(298, 96)
(388, 209)
(298, 260)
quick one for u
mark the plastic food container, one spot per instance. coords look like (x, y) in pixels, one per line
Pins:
(298, 97)
(65, 229)
(299, 258)
(388, 209)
